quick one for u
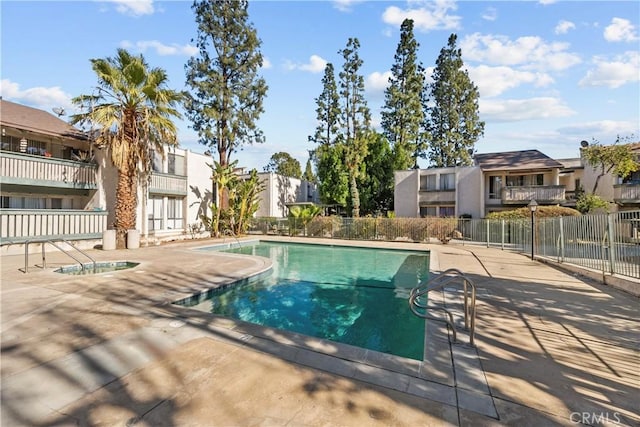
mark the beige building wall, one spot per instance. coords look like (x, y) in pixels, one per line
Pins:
(469, 192)
(405, 193)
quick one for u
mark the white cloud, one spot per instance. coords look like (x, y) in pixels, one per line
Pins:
(44, 98)
(266, 64)
(599, 128)
(377, 82)
(512, 110)
(493, 81)
(490, 14)
(160, 48)
(563, 27)
(546, 2)
(316, 64)
(432, 15)
(345, 5)
(529, 52)
(620, 30)
(615, 73)
(133, 7)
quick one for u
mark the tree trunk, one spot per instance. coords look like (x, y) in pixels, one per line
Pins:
(355, 197)
(125, 210)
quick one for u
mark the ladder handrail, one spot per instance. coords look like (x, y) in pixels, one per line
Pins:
(439, 282)
(449, 322)
(53, 243)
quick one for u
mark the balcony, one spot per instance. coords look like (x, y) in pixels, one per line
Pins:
(20, 225)
(30, 170)
(625, 194)
(437, 197)
(543, 194)
(173, 185)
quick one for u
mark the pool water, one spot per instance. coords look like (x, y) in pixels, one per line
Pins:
(356, 296)
(100, 267)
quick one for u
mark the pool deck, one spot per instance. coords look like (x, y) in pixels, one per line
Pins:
(552, 348)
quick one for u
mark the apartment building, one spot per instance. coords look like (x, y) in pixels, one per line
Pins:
(56, 184)
(506, 181)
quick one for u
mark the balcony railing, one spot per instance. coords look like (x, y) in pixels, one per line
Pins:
(19, 225)
(626, 193)
(162, 183)
(541, 193)
(26, 169)
(437, 197)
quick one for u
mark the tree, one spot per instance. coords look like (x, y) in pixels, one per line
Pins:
(227, 93)
(133, 110)
(376, 186)
(454, 124)
(224, 178)
(328, 109)
(355, 121)
(329, 152)
(308, 172)
(283, 164)
(332, 174)
(403, 115)
(618, 159)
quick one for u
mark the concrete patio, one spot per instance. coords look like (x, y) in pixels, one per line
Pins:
(552, 348)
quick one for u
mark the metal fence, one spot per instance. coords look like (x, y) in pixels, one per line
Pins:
(608, 242)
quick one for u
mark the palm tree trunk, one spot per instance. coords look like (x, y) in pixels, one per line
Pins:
(125, 210)
(355, 197)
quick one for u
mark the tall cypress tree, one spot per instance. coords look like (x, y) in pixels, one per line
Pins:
(356, 119)
(454, 123)
(328, 154)
(403, 113)
(227, 93)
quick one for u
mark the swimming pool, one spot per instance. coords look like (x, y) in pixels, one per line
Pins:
(352, 295)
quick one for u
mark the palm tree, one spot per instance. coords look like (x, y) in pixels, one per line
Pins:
(133, 110)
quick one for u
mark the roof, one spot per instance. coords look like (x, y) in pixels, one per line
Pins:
(35, 120)
(573, 163)
(514, 160)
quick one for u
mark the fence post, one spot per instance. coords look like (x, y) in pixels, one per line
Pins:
(502, 235)
(487, 222)
(612, 234)
(561, 249)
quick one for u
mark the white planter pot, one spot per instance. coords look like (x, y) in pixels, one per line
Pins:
(108, 240)
(133, 239)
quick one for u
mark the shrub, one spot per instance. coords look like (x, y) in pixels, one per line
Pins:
(541, 212)
(590, 203)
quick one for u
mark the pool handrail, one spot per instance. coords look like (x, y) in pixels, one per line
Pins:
(52, 242)
(439, 282)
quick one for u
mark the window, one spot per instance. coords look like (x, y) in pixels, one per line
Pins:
(427, 183)
(495, 187)
(175, 164)
(174, 213)
(56, 203)
(156, 161)
(447, 181)
(155, 213)
(447, 211)
(525, 180)
(427, 211)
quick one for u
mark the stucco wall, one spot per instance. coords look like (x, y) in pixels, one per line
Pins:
(469, 191)
(199, 186)
(405, 193)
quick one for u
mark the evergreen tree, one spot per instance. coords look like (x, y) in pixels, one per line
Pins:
(283, 164)
(328, 109)
(355, 121)
(328, 153)
(454, 124)
(403, 115)
(308, 172)
(227, 93)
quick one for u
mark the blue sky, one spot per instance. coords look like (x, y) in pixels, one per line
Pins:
(550, 73)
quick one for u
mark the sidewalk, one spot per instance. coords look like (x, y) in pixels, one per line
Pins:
(110, 349)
